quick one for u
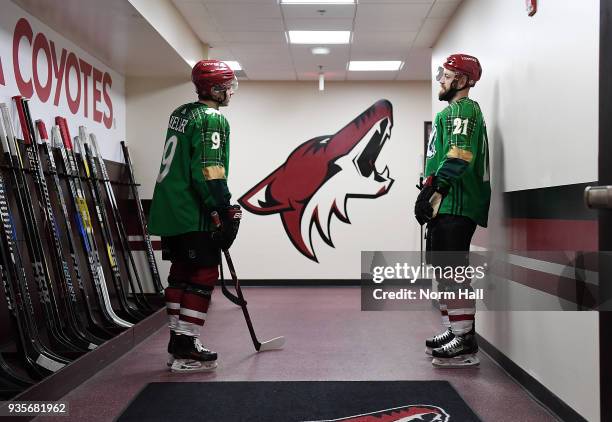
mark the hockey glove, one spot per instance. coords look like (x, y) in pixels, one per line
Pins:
(428, 202)
(228, 222)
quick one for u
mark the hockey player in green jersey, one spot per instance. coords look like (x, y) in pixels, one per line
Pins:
(453, 200)
(192, 182)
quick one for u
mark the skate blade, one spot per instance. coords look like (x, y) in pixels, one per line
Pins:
(170, 360)
(464, 361)
(188, 365)
(428, 351)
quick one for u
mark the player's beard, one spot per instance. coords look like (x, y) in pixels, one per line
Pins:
(449, 94)
(226, 99)
(222, 98)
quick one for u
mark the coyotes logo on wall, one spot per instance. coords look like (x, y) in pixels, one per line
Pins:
(320, 175)
(412, 413)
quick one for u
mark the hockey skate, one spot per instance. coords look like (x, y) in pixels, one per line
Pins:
(460, 352)
(438, 341)
(190, 356)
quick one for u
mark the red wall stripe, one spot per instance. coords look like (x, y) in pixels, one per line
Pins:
(575, 291)
(527, 234)
(552, 234)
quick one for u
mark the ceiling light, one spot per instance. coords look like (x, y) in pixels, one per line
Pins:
(319, 37)
(357, 66)
(321, 79)
(320, 51)
(232, 64)
(317, 1)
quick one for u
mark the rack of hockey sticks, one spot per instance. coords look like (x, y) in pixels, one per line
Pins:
(64, 294)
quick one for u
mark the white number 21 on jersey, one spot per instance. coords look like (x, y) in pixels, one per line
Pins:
(169, 150)
(460, 127)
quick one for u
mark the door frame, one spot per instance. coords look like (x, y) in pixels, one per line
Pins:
(605, 215)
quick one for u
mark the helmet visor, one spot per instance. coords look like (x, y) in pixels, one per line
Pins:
(439, 73)
(443, 74)
(233, 85)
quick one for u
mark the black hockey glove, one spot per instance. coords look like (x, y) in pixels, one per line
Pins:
(227, 222)
(429, 200)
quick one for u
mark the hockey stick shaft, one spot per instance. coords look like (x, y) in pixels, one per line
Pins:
(91, 174)
(125, 249)
(272, 344)
(31, 232)
(86, 227)
(71, 314)
(242, 303)
(275, 343)
(93, 325)
(37, 248)
(62, 140)
(38, 360)
(14, 297)
(143, 221)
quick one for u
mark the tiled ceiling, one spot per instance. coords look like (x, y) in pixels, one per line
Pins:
(252, 32)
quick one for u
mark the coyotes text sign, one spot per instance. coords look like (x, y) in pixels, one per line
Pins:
(44, 71)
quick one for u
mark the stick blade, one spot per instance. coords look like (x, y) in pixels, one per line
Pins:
(273, 344)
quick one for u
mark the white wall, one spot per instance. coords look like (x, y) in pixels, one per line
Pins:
(44, 57)
(539, 87)
(172, 26)
(539, 95)
(268, 121)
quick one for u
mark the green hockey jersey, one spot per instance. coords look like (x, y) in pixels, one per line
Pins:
(192, 178)
(458, 153)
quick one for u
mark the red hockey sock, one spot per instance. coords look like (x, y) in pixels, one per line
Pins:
(174, 294)
(444, 314)
(196, 298)
(461, 313)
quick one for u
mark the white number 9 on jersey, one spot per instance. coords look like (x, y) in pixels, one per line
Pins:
(169, 150)
(216, 140)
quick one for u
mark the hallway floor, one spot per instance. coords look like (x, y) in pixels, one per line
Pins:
(328, 338)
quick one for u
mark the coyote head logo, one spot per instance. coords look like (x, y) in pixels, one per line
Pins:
(412, 413)
(320, 175)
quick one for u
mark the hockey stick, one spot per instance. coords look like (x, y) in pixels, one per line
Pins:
(32, 234)
(39, 360)
(91, 178)
(226, 292)
(93, 325)
(13, 287)
(143, 221)
(71, 315)
(61, 139)
(125, 249)
(6, 371)
(272, 344)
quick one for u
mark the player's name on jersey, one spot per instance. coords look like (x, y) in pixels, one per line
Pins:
(427, 294)
(177, 123)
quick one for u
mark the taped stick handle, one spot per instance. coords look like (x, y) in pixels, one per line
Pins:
(42, 130)
(216, 220)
